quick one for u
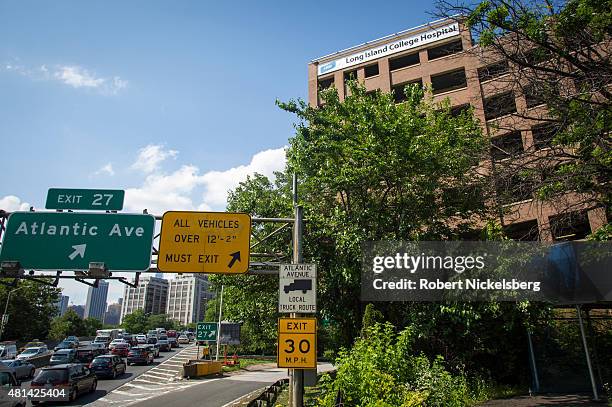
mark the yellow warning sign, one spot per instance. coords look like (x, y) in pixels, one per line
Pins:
(204, 242)
(297, 343)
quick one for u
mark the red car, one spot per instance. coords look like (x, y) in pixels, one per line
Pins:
(121, 349)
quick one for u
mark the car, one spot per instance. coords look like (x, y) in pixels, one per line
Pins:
(100, 346)
(154, 349)
(73, 338)
(102, 339)
(140, 354)
(120, 349)
(173, 342)
(74, 378)
(8, 350)
(86, 354)
(108, 366)
(32, 344)
(33, 352)
(172, 333)
(152, 340)
(22, 369)
(66, 345)
(63, 356)
(141, 339)
(152, 332)
(115, 342)
(164, 345)
(162, 336)
(8, 380)
(183, 339)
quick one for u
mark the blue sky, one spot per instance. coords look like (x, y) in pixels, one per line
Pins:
(171, 101)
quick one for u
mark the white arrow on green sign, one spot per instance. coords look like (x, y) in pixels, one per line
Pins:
(206, 331)
(70, 241)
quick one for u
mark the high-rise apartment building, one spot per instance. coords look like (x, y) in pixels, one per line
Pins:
(95, 306)
(62, 304)
(438, 55)
(151, 296)
(113, 313)
(187, 298)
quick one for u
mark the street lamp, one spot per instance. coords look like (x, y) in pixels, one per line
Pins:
(5, 315)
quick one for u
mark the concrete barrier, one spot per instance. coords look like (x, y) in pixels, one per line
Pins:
(199, 368)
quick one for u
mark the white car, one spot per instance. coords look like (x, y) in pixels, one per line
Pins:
(30, 353)
(183, 339)
(116, 341)
(141, 339)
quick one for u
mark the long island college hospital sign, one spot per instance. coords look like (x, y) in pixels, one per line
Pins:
(403, 44)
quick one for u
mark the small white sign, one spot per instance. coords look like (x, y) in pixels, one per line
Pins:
(298, 288)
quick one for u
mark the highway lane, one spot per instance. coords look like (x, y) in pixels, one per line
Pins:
(107, 385)
(212, 392)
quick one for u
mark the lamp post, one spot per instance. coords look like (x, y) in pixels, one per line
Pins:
(5, 315)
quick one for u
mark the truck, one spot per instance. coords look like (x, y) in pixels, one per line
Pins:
(111, 333)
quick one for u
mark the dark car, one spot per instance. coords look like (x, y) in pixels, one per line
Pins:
(65, 344)
(87, 353)
(108, 366)
(22, 369)
(173, 342)
(140, 354)
(74, 378)
(152, 340)
(164, 345)
(72, 338)
(63, 356)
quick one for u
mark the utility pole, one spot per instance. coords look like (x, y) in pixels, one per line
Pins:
(296, 376)
(219, 324)
(5, 315)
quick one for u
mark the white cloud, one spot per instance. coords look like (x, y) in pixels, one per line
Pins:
(106, 169)
(151, 156)
(72, 75)
(179, 190)
(77, 77)
(218, 183)
(11, 203)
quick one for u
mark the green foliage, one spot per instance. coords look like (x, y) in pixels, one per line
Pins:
(383, 370)
(136, 322)
(30, 310)
(71, 324)
(371, 316)
(160, 321)
(603, 234)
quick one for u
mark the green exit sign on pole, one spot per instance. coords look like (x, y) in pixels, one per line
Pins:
(89, 199)
(70, 240)
(206, 331)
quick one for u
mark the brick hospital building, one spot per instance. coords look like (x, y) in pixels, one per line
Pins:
(443, 56)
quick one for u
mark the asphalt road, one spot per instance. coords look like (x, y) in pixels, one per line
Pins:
(107, 385)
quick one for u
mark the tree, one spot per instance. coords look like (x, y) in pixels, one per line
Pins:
(136, 322)
(371, 169)
(90, 326)
(30, 309)
(68, 324)
(371, 316)
(557, 55)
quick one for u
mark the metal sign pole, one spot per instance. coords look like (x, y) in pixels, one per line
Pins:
(219, 325)
(586, 353)
(296, 376)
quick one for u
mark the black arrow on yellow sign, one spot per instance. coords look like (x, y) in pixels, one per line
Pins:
(235, 257)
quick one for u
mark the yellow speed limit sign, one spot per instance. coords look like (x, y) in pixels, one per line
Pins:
(297, 343)
(204, 242)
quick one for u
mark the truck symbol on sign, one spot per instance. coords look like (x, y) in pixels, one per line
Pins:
(297, 285)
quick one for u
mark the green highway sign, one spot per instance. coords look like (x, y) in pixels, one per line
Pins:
(206, 331)
(92, 199)
(70, 241)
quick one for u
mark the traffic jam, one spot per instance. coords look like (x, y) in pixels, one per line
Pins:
(73, 367)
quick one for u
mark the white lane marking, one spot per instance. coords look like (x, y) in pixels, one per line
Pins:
(159, 373)
(166, 370)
